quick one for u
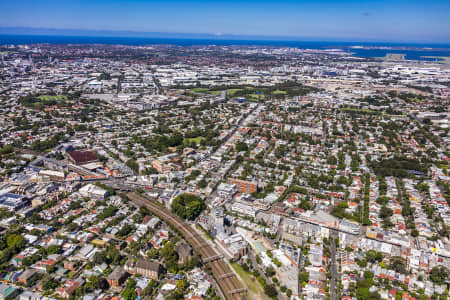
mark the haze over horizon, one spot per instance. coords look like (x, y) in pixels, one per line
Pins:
(388, 21)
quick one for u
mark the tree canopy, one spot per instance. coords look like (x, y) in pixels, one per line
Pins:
(439, 275)
(188, 206)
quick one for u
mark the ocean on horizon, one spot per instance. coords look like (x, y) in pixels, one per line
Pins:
(411, 54)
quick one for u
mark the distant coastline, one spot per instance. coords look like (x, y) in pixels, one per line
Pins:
(412, 51)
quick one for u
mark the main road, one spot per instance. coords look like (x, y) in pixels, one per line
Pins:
(229, 285)
(333, 265)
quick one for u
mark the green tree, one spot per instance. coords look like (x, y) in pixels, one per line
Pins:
(439, 275)
(132, 164)
(53, 249)
(374, 256)
(153, 253)
(269, 271)
(125, 230)
(202, 184)
(362, 293)
(188, 206)
(15, 241)
(129, 293)
(99, 258)
(170, 256)
(386, 212)
(113, 255)
(303, 277)
(241, 146)
(398, 264)
(289, 293)
(49, 283)
(270, 290)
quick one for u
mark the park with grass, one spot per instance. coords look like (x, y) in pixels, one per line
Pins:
(256, 94)
(41, 101)
(196, 140)
(254, 286)
(48, 98)
(199, 90)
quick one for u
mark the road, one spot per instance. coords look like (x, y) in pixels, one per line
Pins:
(333, 265)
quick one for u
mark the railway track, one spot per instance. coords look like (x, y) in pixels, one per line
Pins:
(229, 285)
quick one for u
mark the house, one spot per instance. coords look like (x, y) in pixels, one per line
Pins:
(13, 276)
(27, 295)
(27, 276)
(70, 265)
(117, 277)
(69, 288)
(147, 268)
(163, 163)
(8, 292)
(86, 253)
(158, 238)
(43, 264)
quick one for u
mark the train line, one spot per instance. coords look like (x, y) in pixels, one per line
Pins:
(225, 278)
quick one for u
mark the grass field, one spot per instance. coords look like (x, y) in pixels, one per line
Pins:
(252, 93)
(231, 92)
(206, 234)
(45, 100)
(51, 97)
(251, 96)
(199, 90)
(278, 92)
(361, 111)
(415, 100)
(255, 289)
(197, 140)
(255, 97)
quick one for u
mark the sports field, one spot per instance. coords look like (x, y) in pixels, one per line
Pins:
(51, 97)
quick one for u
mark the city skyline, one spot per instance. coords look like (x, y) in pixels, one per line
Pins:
(402, 21)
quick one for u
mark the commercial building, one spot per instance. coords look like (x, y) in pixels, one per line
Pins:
(93, 191)
(226, 189)
(244, 209)
(81, 157)
(235, 244)
(13, 202)
(52, 175)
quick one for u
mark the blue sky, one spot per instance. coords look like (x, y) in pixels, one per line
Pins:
(377, 20)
